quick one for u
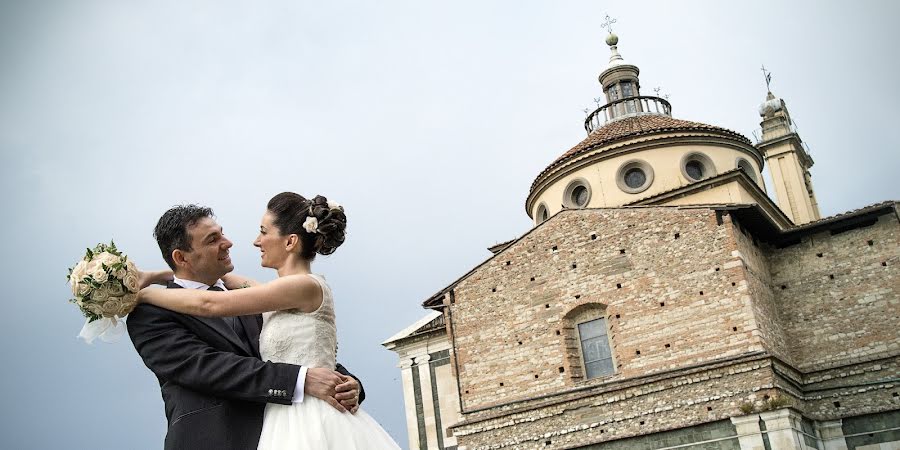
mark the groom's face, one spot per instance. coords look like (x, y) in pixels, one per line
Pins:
(209, 257)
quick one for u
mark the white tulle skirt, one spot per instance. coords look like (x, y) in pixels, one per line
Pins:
(314, 424)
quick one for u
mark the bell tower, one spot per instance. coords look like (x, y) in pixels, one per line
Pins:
(788, 160)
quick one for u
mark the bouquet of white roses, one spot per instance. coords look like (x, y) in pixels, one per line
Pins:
(105, 286)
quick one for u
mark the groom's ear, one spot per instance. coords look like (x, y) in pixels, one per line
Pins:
(178, 258)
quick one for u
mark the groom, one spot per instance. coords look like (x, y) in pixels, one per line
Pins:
(213, 382)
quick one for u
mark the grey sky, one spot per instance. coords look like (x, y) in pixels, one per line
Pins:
(428, 121)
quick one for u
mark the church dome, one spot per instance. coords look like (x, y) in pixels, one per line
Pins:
(635, 149)
(632, 127)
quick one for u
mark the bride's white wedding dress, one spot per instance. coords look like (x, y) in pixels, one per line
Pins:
(310, 340)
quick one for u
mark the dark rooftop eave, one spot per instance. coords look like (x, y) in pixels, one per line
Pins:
(766, 205)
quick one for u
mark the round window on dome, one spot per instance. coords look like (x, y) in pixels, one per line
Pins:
(634, 176)
(577, 194)
(697, 166)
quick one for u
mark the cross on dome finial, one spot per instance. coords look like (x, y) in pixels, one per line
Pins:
(608, 24)
(612, 39)
(768, 76)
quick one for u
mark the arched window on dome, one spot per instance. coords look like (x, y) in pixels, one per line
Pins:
(588, 346)
(542, 214)
(747, 168)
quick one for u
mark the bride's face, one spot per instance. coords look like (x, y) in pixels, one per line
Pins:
(271, 243)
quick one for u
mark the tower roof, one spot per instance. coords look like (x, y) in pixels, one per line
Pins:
(630, 127)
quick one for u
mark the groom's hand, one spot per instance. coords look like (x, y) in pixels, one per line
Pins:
(347, 393)
(322, 383)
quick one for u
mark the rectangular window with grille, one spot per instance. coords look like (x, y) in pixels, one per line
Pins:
(595, 348)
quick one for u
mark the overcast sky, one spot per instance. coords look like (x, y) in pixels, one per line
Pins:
(428, 121)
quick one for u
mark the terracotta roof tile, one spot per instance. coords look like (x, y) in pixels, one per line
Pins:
(632, 127)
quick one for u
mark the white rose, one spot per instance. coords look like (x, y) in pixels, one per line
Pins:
(112, 308)
(94, 308)
(82, 289)
(129, 301)
(311, 225)
(130, 280)
(77, 274)
(99, 275)
(116, 289)
(334, 205)
(107, 258)
(100, 295)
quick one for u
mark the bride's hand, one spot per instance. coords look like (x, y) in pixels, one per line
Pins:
(154, 277)
(347, 393)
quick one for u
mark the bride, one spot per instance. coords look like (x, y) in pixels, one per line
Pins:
(298, 321)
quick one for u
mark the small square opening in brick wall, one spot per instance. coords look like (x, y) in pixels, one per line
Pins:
(617, 316)
(535, 376)
(884, 264)
(554, 248)
(593, 236)
(709, 408)
(819, 255)
(520, 342)
(562, 369)
(618, 285)
(837, 404)
(733, 283)
(662, 303)
(508, 263)
(668, 345)
(641, 423)
(547, 305)
(493, 289)
(574, 266)
(783, 287)
(637, 352)
(896, 394)
(701, 292)
(532, 278)
(870, 242)
(557, 332)
(733, 328)
(717, 269)
(547, 442)
(622, 251)
(831, 276)
(677, 235)
(577, 296)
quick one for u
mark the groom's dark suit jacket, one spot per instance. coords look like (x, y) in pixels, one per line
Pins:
(213, 382)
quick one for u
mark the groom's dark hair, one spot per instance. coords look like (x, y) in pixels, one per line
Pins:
(171, 231)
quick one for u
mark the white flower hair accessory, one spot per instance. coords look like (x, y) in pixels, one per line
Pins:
(311, 225)
(334, 205)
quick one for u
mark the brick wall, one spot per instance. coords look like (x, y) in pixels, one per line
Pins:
(839, 295)
(669, 280)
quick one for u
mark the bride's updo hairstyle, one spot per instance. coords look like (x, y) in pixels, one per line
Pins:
(292, 211)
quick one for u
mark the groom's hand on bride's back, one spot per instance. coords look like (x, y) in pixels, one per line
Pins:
(322, 384)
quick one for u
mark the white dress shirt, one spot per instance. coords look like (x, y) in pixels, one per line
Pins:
(301, 376)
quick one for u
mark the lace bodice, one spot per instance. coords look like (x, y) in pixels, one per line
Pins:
(306, 339)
